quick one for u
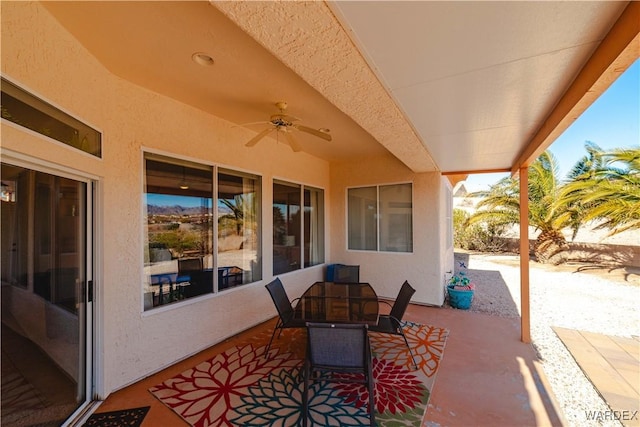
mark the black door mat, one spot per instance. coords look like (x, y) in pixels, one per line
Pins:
(126, 417)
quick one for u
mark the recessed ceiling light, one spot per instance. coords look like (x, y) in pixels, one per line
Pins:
(202, 58)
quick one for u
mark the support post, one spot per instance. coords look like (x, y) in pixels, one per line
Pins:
(525, 325)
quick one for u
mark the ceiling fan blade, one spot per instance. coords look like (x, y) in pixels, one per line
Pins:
(292, 142)
(253, 141)
(251, 123)
(313, 132)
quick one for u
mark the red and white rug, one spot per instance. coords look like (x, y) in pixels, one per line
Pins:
(242, 387)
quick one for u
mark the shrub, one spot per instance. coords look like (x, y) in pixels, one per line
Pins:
(482, 237)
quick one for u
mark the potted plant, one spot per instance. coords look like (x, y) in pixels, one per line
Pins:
(461, 289)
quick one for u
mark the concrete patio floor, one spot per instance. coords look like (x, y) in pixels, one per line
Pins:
(487, 377)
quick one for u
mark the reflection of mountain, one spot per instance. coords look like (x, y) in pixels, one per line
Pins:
(224, 210)
(175, 210)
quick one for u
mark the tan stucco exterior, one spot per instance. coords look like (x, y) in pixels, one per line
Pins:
(387, 271)
(42, 57)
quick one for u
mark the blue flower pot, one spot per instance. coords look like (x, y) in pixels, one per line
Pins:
(460, 298)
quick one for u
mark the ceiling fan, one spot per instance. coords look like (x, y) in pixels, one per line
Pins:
(284, 123)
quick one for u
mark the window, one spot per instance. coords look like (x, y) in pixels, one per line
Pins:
(298, 230)
(179, 261)
(380, 218)
(363, 218)
(239, 259)
(26, 110)
(313, 226)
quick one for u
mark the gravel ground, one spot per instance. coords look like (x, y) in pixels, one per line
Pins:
(583, 297)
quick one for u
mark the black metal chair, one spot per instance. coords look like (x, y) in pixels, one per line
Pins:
(338, 348)
(188, 266)
(341, 273)
(286, 313)
(392, 323)
(192, 279)
(347, 274)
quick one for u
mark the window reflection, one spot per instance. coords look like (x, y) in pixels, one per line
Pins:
(313, 226)
(43, 266)
(298, 230)
(178, 260)
(286, 227)
(29, 111)
(239, 257)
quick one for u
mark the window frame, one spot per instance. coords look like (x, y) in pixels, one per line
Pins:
(259, 216)
(86, 138)
(378, 218)
(302, 187)
(216, 170)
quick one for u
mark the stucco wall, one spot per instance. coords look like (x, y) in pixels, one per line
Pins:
(43, 58)
(39, 55)
(446, 234)
(387, 271)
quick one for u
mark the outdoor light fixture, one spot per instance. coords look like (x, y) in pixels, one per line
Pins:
(183, 184)
(201, 58)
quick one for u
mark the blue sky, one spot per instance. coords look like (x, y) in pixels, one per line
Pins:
(612, 121)
(183, 201)
(171, 200)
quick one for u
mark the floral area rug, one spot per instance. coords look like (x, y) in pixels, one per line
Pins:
(242, 387)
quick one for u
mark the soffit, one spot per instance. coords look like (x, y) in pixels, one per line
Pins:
(307, 37)
(477, 79)
(450, 86)
(151, 43)
(475, 82)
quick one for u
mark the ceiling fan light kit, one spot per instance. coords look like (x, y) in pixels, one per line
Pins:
(284, 123)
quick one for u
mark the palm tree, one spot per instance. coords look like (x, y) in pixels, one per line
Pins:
(501, 206)
(586, 167)
(609, 190)
(243, 210)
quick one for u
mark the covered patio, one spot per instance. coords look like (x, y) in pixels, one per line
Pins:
(263, 140)
(487, 375)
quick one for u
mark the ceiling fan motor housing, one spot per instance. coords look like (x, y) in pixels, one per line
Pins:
(280, 120)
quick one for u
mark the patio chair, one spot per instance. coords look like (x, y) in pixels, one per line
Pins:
(187, 267)
(341, 273)
(392, 323)
(192, 280)
(347, 274)
(286, 318)
(341, 349)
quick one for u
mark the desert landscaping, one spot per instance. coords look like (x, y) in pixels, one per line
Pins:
(598, 298)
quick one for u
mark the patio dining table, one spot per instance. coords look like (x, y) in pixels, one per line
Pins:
(332, 302)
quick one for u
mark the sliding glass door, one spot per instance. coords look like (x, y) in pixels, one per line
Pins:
(46, 316)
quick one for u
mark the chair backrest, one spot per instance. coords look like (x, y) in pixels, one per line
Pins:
(280, 299)
(402, 301)
(189, 264)
(337, 345)
(347, 274)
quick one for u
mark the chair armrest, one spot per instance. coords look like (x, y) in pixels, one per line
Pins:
(294, 303)
(386, 302)
(397, 321)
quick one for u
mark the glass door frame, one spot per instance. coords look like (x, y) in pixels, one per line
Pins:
(88, 327)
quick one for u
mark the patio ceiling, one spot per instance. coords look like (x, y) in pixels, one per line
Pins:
(448, 86)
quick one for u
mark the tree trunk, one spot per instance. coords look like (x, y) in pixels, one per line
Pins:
(549, 245)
